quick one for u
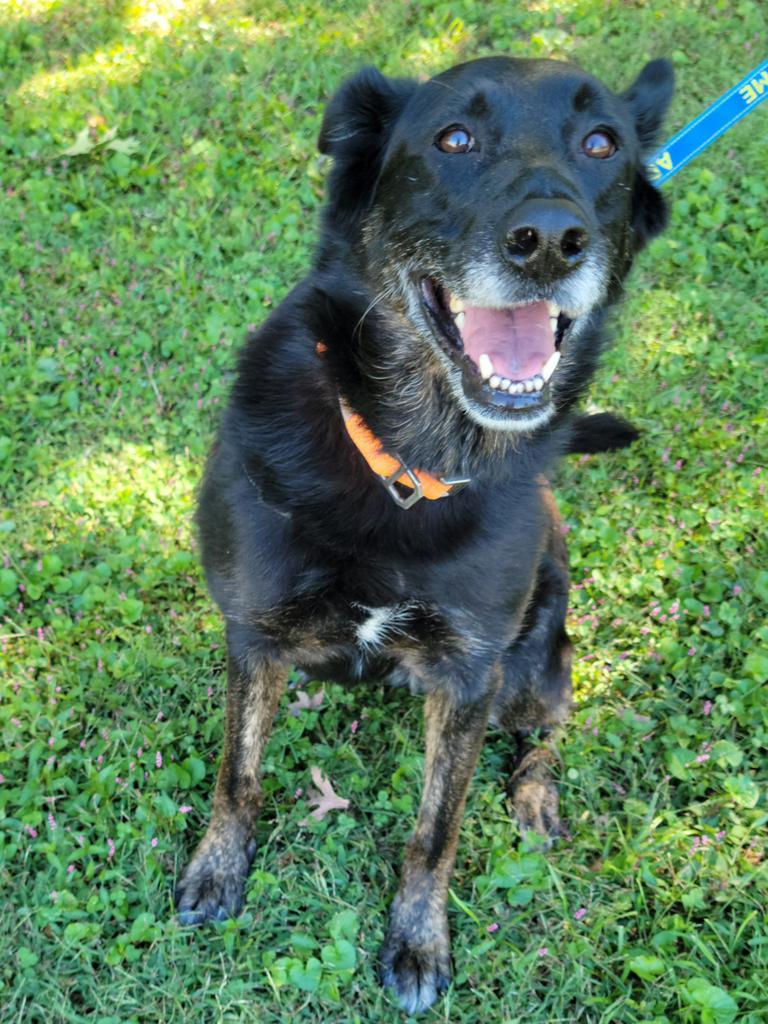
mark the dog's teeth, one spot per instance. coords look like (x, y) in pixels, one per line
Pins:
(538, 382)
(550, 366)
(516, 388)
(486, 366)
(528, 385)
(554, 311)
(495, 380)
(456, 305)
(459, 319)
(505, 384)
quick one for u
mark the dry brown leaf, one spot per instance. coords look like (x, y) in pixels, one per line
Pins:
(305, 702)
(324, 798)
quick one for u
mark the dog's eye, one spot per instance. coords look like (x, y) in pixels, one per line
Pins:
(455, 140)
(599, 145)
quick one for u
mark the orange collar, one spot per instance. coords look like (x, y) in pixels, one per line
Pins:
(390, 469)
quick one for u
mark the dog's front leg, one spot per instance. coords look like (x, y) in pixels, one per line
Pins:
(415, 958)
(213, 883)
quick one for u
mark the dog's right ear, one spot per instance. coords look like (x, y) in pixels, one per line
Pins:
(356, 126)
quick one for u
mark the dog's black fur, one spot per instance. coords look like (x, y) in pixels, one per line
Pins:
(479, 183)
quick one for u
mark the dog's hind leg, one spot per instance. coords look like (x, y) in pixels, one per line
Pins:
(212, 886)
(536, 696)
(415, 958)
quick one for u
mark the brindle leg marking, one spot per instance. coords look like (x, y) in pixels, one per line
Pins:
(415, 958)
(537, 694)
(534, 794)
(213, 883)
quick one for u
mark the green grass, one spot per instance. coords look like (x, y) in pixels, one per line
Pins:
(128, 277)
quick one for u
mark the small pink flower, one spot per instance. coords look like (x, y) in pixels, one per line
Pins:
(492, 928)
(581, 912)
(353, 728)
(707, 709)
(70, 869)
(51, 823)
(153, 844)
(691, 651)
(719, 836)
(736, 590)
(185, 809)
(158, 760)
(701, 758)
(297, 793)
(543, 951)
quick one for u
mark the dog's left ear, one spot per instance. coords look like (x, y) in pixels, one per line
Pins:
(647, 99)
(356, 126)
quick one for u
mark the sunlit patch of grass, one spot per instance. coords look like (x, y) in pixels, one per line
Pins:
(18, 10)
(439, 48)
(158, 17)
(119, 64)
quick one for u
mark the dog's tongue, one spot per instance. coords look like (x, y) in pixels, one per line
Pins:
(518, 341)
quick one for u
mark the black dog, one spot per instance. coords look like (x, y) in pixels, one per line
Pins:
(477, 226)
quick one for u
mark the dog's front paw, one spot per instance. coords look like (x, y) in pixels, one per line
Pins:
(211, 888)
(416, 970)
(535, 797)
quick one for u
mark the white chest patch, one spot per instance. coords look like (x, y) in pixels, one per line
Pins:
(381, 624)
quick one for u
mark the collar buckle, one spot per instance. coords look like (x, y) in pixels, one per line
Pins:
(406, 501)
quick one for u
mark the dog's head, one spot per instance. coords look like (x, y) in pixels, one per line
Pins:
(495, 209)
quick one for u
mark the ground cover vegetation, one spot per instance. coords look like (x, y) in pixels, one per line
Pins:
(159, 192)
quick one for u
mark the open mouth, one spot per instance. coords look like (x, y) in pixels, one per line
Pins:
(507, 356)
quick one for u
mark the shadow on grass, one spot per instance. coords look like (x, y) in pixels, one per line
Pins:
(45, 35)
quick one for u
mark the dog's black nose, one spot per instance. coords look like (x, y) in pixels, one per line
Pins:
(546, 238)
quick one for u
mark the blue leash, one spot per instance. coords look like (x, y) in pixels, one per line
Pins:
(713, 122)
